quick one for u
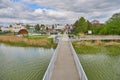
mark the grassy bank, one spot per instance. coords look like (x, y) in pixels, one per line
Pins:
(28, 41)
(96, 47)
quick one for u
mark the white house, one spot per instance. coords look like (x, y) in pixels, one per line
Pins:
(17, 27)
(59, 27)
(4, 29)
(13, 28)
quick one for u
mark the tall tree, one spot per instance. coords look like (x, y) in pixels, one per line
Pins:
(37, 27)
(27, 26)
(80, 26)
(76, 27)
(89, 27)
(113, 24)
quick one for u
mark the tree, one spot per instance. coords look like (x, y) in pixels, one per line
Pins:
(89, 27)
(27, 26)
(37, 27)
(47, 28)
(53, 27)
(43, 27)
(83, 25)
(103, 30)
(80, 26)
(111, 27)
(76, 27)
(113, 24)
(10, 26)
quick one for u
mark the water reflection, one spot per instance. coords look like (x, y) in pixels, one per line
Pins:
(101, 66)
(23, 63)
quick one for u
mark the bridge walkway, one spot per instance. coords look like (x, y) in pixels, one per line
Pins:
(65, 67)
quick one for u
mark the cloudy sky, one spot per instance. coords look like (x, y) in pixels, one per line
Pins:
(56, 11)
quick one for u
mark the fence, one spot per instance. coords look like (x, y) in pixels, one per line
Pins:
(78, 64)
(50, 68)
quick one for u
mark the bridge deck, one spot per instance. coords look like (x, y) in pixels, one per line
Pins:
(65, 67)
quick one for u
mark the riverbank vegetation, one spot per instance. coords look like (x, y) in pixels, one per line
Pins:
(110, 27)
(31, 41)
(97, 47)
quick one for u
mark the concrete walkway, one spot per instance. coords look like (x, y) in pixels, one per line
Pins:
(65, 67)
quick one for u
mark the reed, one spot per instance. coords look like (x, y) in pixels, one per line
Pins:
(97, 47)
(21, 41)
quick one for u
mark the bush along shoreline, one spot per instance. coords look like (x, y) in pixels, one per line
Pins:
(97, 47)
(28, 42)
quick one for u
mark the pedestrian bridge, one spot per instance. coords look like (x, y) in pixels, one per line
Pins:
(65, 64)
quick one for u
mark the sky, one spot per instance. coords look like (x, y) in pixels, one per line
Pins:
(56, 11)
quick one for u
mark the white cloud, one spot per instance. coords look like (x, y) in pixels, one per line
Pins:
(38, 12)
(47, 12)
(55, 13)
(87, 7)
(61, 11)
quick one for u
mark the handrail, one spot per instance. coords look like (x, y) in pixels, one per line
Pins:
(51, 64)
(97, 38)
(78, 64)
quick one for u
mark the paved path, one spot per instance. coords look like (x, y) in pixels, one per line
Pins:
(65, 67)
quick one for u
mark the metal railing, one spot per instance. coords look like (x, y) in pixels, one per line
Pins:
(96, 38)
(78, 64)
(50, 68)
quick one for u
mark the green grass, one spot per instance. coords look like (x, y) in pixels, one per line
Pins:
(36, 37)
(113, 50)
(86, 49)
(3, 33)
(95, 49)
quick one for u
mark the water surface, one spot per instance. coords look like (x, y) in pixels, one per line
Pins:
(23, 63)
(101, 66)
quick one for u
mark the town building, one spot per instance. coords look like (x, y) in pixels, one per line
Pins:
(95, 23)
(16, 28)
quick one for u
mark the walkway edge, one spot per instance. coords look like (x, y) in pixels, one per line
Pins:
(50, 68)
(78, 64)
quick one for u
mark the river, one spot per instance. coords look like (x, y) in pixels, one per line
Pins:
(23, 63)
(101, 66)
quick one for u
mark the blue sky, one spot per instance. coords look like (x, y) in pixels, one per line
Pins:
(32, 5)
(56, 11)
